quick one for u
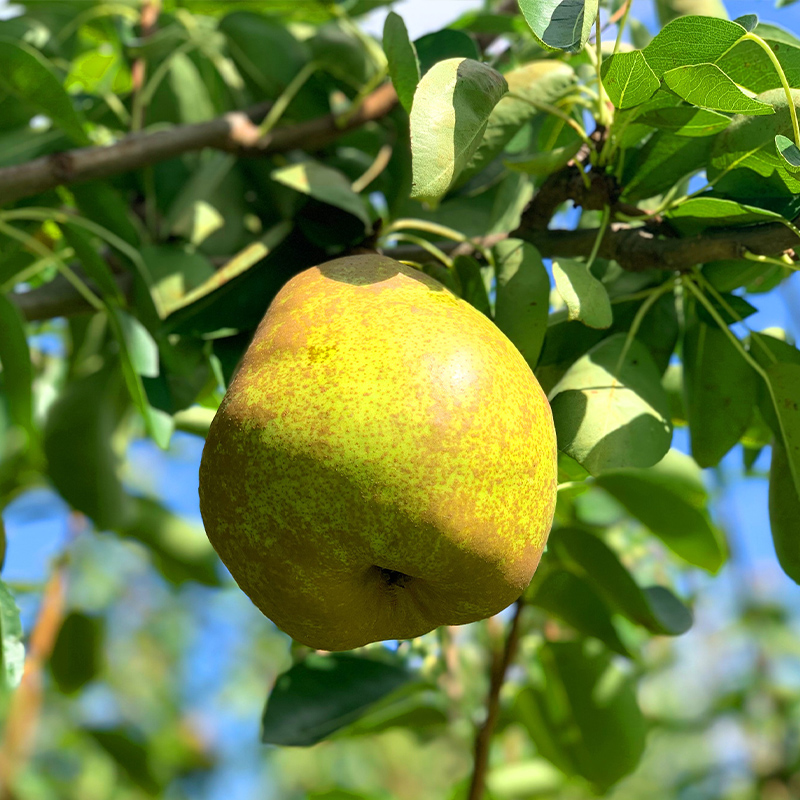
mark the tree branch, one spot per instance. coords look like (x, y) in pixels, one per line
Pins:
(483, 738)
(234, 132)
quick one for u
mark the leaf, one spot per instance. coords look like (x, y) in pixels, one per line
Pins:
(766, 350)
(749, 65)
(15, 360)
(538, 81)
(28, 75)
(572, 599)
(611, 411)
(698, 214)
(731, 307)
(265, 52)
(450, 113)
(402, 57)
(181, 551)
(560, 25)
(104, 205)
(128, 750)
(670, 500)
(655, 607)
(323, 183)
(784, 512)
(691, 40)
(707, 86)
(13, 650)
(442, 45)
(721, 390)
(522, 296)
(176, 273)
(784, 386)
(586, 298)
(77, 442)
(324, 693)
(93, 263)
(743, 160)
(583, 716)
(686, 120)
(546, 163)
(473, 289)
(669, 9)
(789, 152)
(76, 656)
(727, 275)
(662, 162)
(628, 79)
(747, 21)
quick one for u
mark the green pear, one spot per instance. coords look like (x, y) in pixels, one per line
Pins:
(384, 461)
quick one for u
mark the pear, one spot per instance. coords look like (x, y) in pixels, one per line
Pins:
(383, 463)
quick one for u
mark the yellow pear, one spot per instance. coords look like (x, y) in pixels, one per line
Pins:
(384, 461)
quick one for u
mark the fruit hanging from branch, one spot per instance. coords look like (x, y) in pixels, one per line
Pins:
(384, 461)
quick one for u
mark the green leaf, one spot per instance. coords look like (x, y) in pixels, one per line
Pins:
(611, 411)
(691, 40)
(93, 263)
(15, 360)
(324, 693)
(28, 75)
(546, 163)
(747, 21)
(789, 152)
(767, 350)
(583, 716)
(670, 500)
(662, 162)
(784, 512)
(177, 272)
(721, 389)
(655, 607)
(266, 53)
(707, 86)
(748, 65)
(76, 656)
(573, 600)
(628, 79)
(128, 750)
(731, 307)
(559, 25)
(402, 57)
(141, 347)
(77, 442)
(473, 289)
(743, 160)
(450, 113)
(442, 45)
(697, 214)
(181, 551)
(104, 205)
(586, 298)
(686, 120)
(784, 386)
(522, 296)
(13, 650)
(538, 81)
(323, 183)
(727, 275)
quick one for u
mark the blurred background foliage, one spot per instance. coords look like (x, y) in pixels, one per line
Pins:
(147, 669)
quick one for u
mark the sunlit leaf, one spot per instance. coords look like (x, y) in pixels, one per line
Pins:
(402, 57)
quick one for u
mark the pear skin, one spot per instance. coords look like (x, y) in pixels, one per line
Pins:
(383, 463)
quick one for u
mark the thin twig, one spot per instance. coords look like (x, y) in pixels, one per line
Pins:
(483, 738)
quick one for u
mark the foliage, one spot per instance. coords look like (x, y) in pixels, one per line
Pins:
(617, 209)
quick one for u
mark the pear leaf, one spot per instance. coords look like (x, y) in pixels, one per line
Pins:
(402, 59)
(789, 152)
(558, 25)
(586, 298)
(628, 79)
(15, 360)
(707, 86)
(784, 512)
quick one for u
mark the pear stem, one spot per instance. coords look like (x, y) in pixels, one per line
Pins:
(483, 738)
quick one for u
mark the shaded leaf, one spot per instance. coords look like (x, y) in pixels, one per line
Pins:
(784, 386)
(721, 390)
(784, 512)
(15, 360)
(93, 263)
(572, 599)
(402, 57)
(75, 659)
(670, 500)
(324, 693)
(686, 120)
(697, 214)
(128, 749)
(586, 297)
(451, 109)
(610, 409)
(442, 45)
(789, 151)
(584, 716)
(522, 296)
(28, 75)
(654, 607)
(473, 289)
(323, 183)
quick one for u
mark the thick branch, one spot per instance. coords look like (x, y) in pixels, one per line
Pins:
(233, 132)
